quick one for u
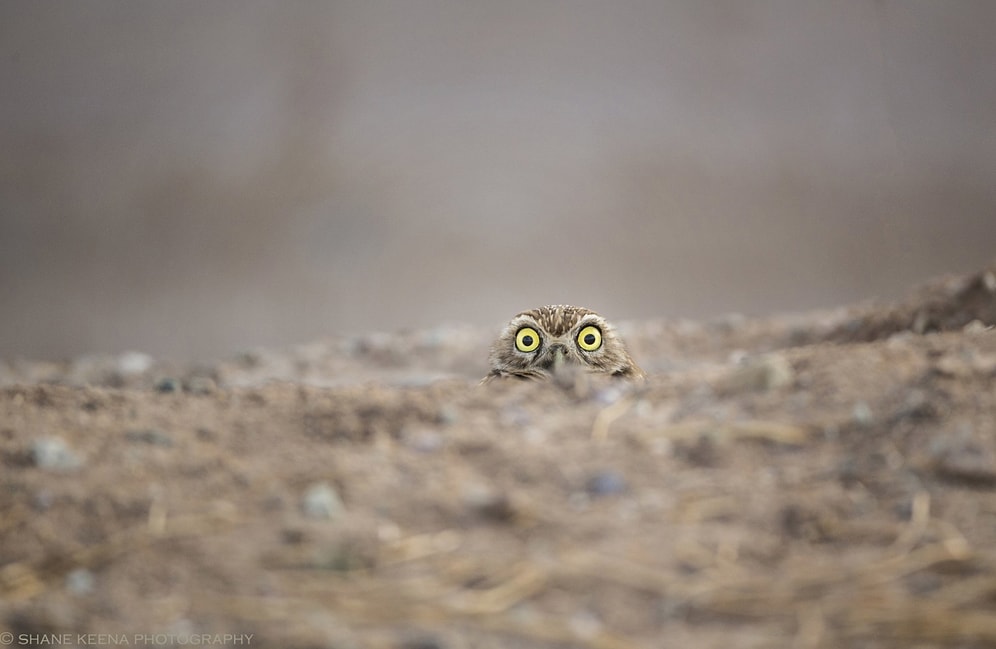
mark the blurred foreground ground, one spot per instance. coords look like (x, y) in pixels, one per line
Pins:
(821, 480)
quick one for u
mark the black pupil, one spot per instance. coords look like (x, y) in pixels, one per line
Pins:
(589, 339)
(527, 340)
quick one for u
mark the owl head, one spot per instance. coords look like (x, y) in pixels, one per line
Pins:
(538, 344)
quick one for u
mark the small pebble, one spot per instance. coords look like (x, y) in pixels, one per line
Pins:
(605, 483)
(132, 363)
(152, 436)
(916, 405)
(578, 501)
(388, 532)
(862, 413)
(293, 536)
(322, 501)
(899, 340)
(954, 365)
(80, 582)
(488, 503)
(182, 626)
(421, 642)
(449, 415)
(848, 472)
(989, 281)
(923, 584)
(53, 453)
(423, 440)
(585, 624)
(703, 451)
(534, 435)
(758, 375)
(515, 417)
(975, 327)
(43, 500)
(609, 395)
(729, 322)
(249, 359)
(168, 384)
(737, 357)
(965, 462)
(201, 385)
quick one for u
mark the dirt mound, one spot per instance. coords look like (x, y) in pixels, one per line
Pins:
(773, 483)
(948, 304)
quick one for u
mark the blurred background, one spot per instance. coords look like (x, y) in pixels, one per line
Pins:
(192, 179)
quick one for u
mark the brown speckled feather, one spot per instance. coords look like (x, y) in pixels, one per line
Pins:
(557, 319)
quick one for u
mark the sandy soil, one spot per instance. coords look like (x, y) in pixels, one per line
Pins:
(819, 480)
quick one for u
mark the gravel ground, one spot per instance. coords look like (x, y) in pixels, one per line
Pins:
(816, 480)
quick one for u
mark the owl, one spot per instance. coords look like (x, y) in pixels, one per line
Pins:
(546, 342)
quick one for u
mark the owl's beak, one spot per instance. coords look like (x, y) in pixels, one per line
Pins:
(559, 363)
(559, 357)
(563, 371)
(556, 361)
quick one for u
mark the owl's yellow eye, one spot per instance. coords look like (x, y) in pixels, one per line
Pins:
(527, 340)
(590, 338)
